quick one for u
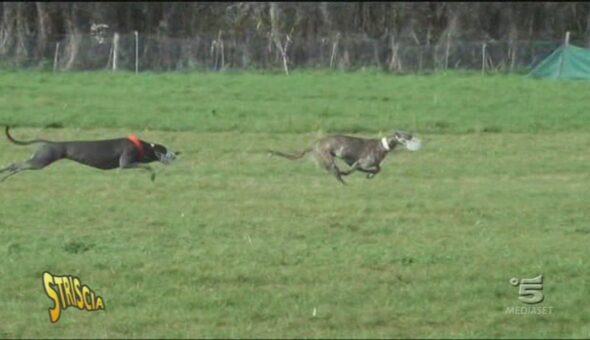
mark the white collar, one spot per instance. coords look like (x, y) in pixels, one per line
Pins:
(385, 144)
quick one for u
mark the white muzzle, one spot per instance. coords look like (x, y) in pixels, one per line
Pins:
(413, 144)
(168, 157)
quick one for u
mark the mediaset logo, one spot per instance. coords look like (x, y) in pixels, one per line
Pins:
(68, 291)
(530, 292)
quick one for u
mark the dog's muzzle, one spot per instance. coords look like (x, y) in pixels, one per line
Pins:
(413, 144)
(168, 157)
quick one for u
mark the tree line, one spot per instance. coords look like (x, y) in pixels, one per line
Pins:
(31, 29)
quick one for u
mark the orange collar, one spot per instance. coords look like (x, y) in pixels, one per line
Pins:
(138, 145)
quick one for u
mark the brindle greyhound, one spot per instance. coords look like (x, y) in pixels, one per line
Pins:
(123, 153)
(360, 154)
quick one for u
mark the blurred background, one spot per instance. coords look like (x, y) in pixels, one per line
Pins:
(395, 37)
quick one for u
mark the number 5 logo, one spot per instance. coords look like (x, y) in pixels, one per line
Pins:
(530, 290)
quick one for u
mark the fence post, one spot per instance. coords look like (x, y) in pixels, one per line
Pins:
(334, 49)
(447, 51)
(55, 58)
(420, 58)
(483, 58)
(136, 52)
(220, 45)
(115, 50)
(566, 42)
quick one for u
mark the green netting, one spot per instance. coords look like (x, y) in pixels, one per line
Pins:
(566, 62)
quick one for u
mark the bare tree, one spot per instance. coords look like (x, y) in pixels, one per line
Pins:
(7, 27)
(42, 27)
(276, 35)
(74, 37)
(21, 32)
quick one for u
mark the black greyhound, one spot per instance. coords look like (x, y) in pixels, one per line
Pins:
(122, 153)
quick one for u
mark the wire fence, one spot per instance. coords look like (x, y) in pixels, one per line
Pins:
(137, 52)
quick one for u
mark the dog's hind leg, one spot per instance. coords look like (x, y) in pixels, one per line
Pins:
(326, 160)
(336, 172)
(11, 167)
(10, 174)
(18, 168)
(12, 171)
(40, 159)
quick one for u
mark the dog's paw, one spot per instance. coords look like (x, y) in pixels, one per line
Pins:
(369, 176)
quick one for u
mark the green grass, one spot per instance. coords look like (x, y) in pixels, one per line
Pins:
(303, 102)
(230, 243)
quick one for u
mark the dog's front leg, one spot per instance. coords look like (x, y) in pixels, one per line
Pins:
(354, 167)
(125, 163)
(371, 172)
(143, 167)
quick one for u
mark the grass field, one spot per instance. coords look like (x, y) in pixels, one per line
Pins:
(230, 243)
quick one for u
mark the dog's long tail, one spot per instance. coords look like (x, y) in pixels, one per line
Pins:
(290, 156)
(18, 142)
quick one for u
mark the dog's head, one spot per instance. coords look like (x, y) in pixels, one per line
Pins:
(406, 139)
(160, 153)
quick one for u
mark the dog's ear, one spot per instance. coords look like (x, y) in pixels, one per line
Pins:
(398, 136)
(402, 135)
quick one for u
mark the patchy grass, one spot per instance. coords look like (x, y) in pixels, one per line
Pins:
(230, 243)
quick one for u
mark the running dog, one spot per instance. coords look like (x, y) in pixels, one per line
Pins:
(360, 154)
(122, 153)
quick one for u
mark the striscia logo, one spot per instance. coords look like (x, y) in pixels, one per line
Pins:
(67, 291)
